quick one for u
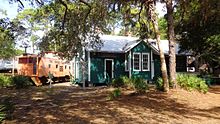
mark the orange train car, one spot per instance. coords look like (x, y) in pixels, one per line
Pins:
(39, 66)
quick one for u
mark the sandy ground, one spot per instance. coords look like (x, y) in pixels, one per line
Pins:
(65, 103)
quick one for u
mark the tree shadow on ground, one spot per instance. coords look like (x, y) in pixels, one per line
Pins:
(159, 102)
(214, 89)
(63, 104)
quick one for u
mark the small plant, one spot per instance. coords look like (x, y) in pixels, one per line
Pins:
(192, 82)
(139, 85)
(118, 82)
(114, 94)
(2, 113)
(6, 109)
(159, 84)
(5, 81)
(21, 81)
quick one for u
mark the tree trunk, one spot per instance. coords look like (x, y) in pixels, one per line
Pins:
(154, 21)
(172, 45)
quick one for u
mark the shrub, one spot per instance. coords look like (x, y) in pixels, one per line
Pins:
(2, 113)
(192, 82)
(139, 85)
(114, 94)
(127, 82)
(159, 83)
(118, 82)
(5, 81)
(21, 81)
(6, 108)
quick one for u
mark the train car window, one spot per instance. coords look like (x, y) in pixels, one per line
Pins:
(69, 67)
(56, 66)
(49, 65)
(65, 66)
(22, 60)
(61, 68)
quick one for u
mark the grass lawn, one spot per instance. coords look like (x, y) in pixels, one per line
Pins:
(67, 104)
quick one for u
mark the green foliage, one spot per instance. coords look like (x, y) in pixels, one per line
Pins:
(6, 41)
(139, 85)
(163, 28)
(118, 82)
(2, 113)
(192, 82)
(114, 94)
(159, 84)
(66, 33)
(18, 81)
(6, 108)
(198, 27)
(21, 81)
(5, 81)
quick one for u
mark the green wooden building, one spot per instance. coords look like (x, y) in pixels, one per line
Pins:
(119, 56)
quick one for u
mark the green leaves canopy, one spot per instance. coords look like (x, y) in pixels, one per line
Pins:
(6, 39)
(198, 26)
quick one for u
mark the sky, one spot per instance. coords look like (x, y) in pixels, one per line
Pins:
(10, 8)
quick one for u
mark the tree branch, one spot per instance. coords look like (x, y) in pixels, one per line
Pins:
(40, 2)
(90, 8)
(139, 14)
(21, 3)
(65, 13)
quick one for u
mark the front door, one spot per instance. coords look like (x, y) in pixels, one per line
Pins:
(109, 68)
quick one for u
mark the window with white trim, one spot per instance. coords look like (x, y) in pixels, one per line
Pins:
(137, 61)
(145, 61)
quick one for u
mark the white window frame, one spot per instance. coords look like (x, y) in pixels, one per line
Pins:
(139, 54)
(148, 61)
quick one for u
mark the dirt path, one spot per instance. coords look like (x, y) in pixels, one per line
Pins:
(68, 104)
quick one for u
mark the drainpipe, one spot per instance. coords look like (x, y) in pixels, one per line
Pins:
(129, 64)
(152, 65)
(89, 76)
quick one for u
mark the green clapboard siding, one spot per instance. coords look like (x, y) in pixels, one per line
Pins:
(119, 66)
(157, 71)
(141, 48)
(97, 66)
(97, 70)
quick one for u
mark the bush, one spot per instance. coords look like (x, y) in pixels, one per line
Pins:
(159, 83)
(6, 108)
(192, 82)
(118, 82)
(139, 85)
(21, 81)
(5, 81)
(114, 94)
(2, 113)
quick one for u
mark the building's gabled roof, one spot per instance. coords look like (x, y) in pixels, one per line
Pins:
(165, 46)
(122, 44)
(114, 43)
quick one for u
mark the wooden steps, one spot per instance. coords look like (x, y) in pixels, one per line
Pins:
(36, 80)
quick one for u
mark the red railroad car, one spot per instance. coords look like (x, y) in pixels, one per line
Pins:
(39, 66)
